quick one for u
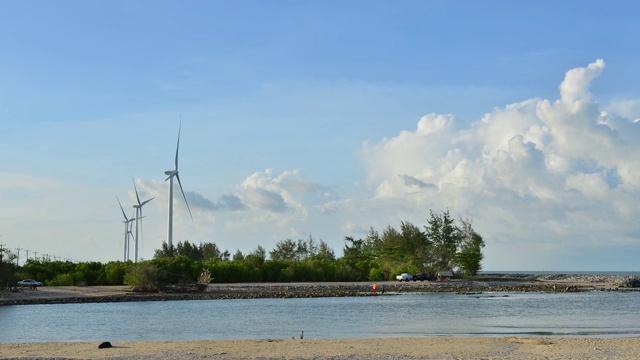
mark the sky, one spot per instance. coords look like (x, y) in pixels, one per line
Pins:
(323, 119)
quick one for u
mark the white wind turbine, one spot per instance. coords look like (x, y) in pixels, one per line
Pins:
(171, 174)
(129, 239)
(128, 223)
(138, 217)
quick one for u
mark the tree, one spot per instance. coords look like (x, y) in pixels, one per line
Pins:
(257, 257)
(286, 250)
(238, 256)
(225, 255)
(164, 251)
(392, 245)
(445, 238)
(358, 256)
(417, 246)
(115, 272)
(209, 251)
(7, 267)
(185, 248)
(470, 256)
(324, 252)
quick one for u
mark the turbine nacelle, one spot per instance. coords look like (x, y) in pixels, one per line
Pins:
(139, 206)
(170, 174)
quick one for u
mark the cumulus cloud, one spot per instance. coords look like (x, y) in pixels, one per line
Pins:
(538, 166)
(265, 199)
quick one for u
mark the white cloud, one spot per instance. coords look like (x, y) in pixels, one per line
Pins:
(627, 108)
(562, 171)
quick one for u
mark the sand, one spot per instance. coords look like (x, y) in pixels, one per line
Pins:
(383, 348)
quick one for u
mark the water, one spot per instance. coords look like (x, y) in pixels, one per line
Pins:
(602, 314)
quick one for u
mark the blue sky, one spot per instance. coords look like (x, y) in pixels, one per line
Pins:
(323, 118)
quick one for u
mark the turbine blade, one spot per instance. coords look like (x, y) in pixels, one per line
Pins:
(178, 146)
(146, 201)
(183, 195)
(123, 214)
(136, 189)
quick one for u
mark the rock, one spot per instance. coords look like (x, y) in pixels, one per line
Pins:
(105, 345)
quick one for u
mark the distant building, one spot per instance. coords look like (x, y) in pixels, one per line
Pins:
(444, 275)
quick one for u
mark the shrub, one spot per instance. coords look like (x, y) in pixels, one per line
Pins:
(143, 276)
(62, 280)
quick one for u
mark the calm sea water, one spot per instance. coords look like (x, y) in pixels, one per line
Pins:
(602, 314)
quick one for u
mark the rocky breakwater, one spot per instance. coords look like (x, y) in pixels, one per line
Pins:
(493, 283)
(574, 281)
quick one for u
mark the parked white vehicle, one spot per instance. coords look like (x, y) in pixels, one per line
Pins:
(29, 282)
(404, 277)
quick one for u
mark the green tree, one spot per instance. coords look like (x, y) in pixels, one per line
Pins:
(164, 251)
(324, 252)
(444, 236)
(7, 267)
(358, 255)
(185, 248)
(470, 256)
(257, 257)
(285, 250)
(115, 272)
(209, 251)
(238, 256)
(417, 246)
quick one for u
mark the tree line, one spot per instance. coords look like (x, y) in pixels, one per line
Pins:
(442, 244)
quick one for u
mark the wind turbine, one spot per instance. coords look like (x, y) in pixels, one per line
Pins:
(138, 217)
(129, 238)
(174, 173)
(127, 230)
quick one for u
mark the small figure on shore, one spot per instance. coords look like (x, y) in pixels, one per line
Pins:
(375, 287)
(302, 335)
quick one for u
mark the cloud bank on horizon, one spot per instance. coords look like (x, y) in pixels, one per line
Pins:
(548, 183)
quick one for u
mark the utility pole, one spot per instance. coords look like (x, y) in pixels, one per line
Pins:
(18, 258)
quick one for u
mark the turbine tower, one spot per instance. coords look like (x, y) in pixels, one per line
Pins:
(171, 174)
(129, 239)
(138, 217)
(127, 230)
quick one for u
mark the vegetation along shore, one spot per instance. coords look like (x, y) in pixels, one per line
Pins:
(302, 268)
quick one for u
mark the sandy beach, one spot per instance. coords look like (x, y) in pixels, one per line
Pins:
(380, 348)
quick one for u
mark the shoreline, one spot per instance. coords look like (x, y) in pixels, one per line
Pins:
(433, 347)
(371, 348)
(493, 283)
